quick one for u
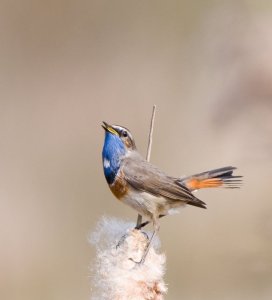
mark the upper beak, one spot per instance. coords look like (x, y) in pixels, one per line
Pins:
(105, 125)
(109, 128)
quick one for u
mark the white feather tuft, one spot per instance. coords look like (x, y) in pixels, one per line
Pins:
(106, 163)
(116, 273)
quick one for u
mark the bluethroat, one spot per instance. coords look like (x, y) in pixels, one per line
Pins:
(146, 188)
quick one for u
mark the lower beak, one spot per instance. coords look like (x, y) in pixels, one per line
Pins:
(105, 125)
(109, 128)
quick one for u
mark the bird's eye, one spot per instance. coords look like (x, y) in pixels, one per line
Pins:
(124, 133)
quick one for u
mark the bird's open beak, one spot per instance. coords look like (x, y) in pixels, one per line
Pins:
(109, 128)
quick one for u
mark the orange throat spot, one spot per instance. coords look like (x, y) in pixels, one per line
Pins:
(119, 188)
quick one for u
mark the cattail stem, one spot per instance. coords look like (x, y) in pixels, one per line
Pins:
(148, 153)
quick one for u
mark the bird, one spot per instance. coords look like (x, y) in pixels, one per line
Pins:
(147, 189)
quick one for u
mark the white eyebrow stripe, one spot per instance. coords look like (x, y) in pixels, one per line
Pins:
(119, 128)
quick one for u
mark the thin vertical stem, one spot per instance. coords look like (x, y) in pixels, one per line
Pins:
(140, 218)
(151, 134)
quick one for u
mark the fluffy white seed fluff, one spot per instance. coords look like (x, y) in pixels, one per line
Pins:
(116, 273)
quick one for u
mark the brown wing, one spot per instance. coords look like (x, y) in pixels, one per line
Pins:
(144, 176)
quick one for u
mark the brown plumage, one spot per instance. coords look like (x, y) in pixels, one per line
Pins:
(145, 187)
(145, 177)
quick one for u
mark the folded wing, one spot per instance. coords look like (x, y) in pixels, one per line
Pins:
(144, 176)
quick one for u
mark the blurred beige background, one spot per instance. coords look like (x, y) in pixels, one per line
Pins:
(68, 65)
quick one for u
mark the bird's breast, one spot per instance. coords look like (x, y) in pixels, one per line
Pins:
(119, 187)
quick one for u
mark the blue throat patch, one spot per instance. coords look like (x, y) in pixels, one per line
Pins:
(113, 151)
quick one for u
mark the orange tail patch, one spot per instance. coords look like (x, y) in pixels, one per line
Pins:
(196, 184)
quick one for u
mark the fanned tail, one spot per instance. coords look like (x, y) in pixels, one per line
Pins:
(221, 177)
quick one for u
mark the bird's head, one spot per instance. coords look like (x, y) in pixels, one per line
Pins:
(119, 136)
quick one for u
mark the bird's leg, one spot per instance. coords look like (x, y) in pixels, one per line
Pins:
(156, 229)
(140, 226)
(139, 222)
